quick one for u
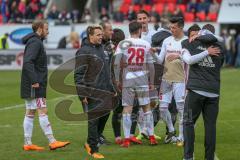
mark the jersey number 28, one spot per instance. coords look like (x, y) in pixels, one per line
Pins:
(137, 54)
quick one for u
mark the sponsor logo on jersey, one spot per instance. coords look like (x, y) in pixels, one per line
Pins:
(207, 62)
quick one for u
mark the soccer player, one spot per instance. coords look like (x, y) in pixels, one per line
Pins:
(157, 40)
(135, 80)
(144, 18)
(205, 58)
(34, 86)
(173, 81)
(118, 35)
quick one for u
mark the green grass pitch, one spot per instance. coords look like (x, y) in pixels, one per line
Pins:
(12, 113)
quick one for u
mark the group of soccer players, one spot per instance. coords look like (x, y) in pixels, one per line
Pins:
(135, 58)
(137, 79)
(136, 63)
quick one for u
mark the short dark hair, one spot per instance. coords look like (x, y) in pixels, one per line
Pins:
(209, 27)
(38, 24)
(118, 35)
(178, 20)
(143, 12)
(104, 24)
(194, 27)
(134, 27)
(92, 28)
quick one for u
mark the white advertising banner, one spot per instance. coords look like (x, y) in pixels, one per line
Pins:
(17, 32)
(12, 59)
(229, 12)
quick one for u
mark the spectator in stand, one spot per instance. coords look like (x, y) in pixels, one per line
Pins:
(103, 4)
(166, 13)
(32, 10)
(203, 6)
(104, 15)
(118, 16)
(70, 41)
(155, 19)
(64, 16)
(15, 16)
(131, 14)
(192, 6)
(44, 3)
(22, 8)
(87, 16)
(54, 13)
(214, 7)
(75, 16)
(137, 2)
(181, 2)
(4, 11)
(150, 2)
(178, 12)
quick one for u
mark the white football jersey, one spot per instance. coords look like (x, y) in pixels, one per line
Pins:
(135, 57)
(147, 36)
(173, 71)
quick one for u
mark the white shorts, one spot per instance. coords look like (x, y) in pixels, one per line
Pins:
(174, 89)
(129, 94)
(36, 103)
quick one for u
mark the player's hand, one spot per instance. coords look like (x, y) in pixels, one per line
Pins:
(213, 51)
(193, 38)
(35, 85)
(85, 101)
(172, 57)
(154, 50)
(151, 87)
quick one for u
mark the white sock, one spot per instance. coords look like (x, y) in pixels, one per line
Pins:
(148, 122)
(166, 116)
(127, 123)
(28, 128)
(140, 121)
(46, 127)
(180, 107)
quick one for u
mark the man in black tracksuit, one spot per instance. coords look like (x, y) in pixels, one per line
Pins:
(94, 87)
(203, 88)
(108, 50)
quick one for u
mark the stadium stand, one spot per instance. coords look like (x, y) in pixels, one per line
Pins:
(22, 11)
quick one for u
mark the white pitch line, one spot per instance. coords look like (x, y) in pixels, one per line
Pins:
(23, 105)
(5, 126)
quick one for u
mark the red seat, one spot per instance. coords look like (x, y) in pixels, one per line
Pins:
(136, 8)
(189, 17)
(127, 1)
(171, 7)
(147, 8)
(182, 7)
(212, 16)
(201, 16)
(124, 8)
(171, 1)
(159, 8)
(1, 19)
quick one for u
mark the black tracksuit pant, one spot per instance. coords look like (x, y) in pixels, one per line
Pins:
(196, 104)
(96, 123)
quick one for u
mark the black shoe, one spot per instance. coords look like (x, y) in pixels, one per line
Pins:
(103, 141)
(170, 138)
